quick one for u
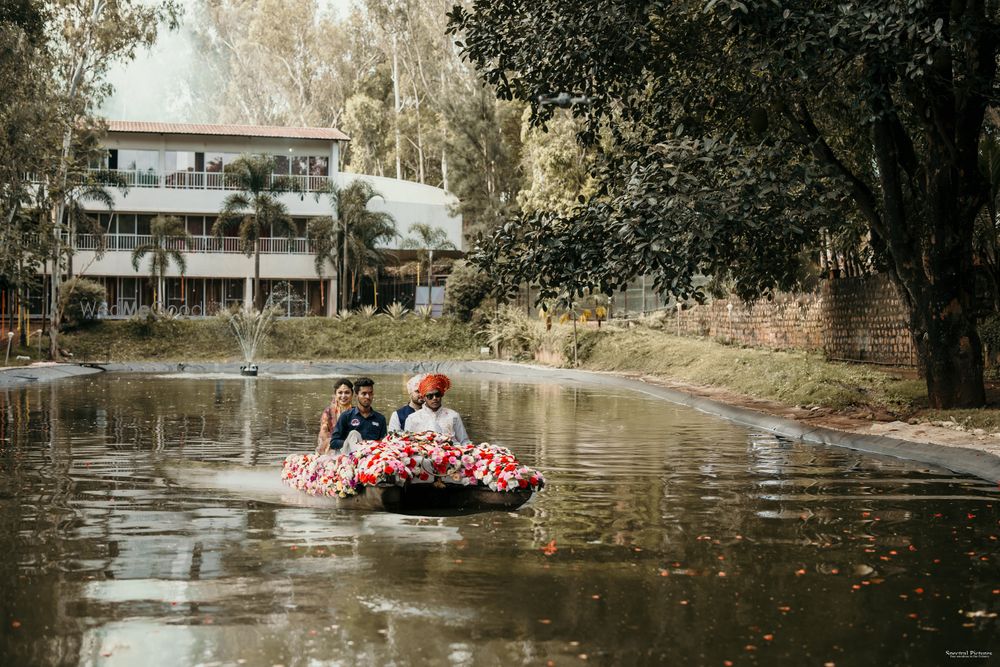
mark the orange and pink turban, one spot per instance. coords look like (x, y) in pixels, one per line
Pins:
(434, 382)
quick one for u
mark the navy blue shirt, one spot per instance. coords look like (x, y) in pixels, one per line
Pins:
(371, 427)
(402, 414)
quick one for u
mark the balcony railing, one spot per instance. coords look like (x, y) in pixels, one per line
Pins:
(196, 244)
(195, 180)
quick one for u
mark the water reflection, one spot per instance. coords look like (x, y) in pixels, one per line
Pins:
(141, 521)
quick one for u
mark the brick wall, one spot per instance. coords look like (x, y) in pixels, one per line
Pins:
(853, 319)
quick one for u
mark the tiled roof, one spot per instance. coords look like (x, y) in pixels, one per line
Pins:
(327, 133)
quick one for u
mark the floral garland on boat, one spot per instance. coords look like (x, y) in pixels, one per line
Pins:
(409, 458)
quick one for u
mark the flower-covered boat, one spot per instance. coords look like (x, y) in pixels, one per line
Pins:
(416, 472)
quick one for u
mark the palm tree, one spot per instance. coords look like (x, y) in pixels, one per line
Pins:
(426, 239)
(168, 237)
(255, 208)
(350, 240)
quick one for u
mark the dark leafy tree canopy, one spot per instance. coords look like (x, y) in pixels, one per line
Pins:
(736, 132)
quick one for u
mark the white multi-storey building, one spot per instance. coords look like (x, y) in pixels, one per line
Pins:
(178, 169)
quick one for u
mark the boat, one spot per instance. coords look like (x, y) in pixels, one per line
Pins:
(424, 498)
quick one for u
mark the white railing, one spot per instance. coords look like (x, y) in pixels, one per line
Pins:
(196, 244)
(196, 180)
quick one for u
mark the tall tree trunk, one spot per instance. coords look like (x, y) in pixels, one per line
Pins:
(396, 107)
(936, 274)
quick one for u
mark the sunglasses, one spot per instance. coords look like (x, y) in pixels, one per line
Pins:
(433, 394)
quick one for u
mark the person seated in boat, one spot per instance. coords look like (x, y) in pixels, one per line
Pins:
(340, 402)
(363, 420)
(398, 420)
(433, 416)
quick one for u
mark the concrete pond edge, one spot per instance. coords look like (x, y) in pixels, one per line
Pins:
(967, 460)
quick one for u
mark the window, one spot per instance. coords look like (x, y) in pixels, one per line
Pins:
(126, 223)
(142, 224)
(300, 166)
(213, 162)
(100, 161)
(281, 165)
(319, 166)
(195, 225)
(138, 160)
(184, 161)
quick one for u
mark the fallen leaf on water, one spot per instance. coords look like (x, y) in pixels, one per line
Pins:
(15, 624)
(550, 548)
(545, 621)
(768, 637)
(799, 572)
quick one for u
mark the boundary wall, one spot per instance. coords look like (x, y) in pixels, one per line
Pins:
(850, 319)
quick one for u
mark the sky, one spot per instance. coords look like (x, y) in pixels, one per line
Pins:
(156, 86)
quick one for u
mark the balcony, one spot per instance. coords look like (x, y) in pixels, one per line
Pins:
(195, 180)
(196, 244)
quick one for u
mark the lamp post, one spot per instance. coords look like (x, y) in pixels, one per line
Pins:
(10, 339)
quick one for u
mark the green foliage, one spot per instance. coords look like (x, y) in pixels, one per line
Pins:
(367, 231)
(369, 125)
(255, 208)
(515, 334)
(395, 311)
(294, 338)
(168, 237)
(80, 301)
(734, 135)
(556, 167)
(465, 290)
(792, 378)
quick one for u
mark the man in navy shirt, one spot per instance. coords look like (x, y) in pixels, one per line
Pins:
(369, 424)
(398, 420)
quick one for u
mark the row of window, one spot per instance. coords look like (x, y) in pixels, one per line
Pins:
(196, 225)
(192, 296)
(206, 162)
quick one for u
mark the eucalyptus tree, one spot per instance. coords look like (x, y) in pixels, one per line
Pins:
(737, 132)
(86, 37)
(425, 239)
(168, 239)
(255, 209)
(353, 239)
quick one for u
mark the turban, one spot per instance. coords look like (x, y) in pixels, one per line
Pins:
(434, 382)
(413, 384)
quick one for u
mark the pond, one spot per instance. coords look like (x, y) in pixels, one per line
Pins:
(139, 525)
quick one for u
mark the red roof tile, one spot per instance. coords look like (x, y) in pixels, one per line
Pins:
(326, 133)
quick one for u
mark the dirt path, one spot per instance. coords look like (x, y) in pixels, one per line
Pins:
(857, 421)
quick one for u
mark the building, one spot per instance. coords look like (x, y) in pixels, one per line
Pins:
(178, 169)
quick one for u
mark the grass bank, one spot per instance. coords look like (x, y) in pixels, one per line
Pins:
(312, 338)
(792, 378)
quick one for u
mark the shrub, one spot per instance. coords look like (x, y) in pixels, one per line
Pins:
(81, 301)
(517, 335)
(395, 311)
(465, 290)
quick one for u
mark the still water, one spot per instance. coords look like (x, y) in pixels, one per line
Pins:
(140, 525)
